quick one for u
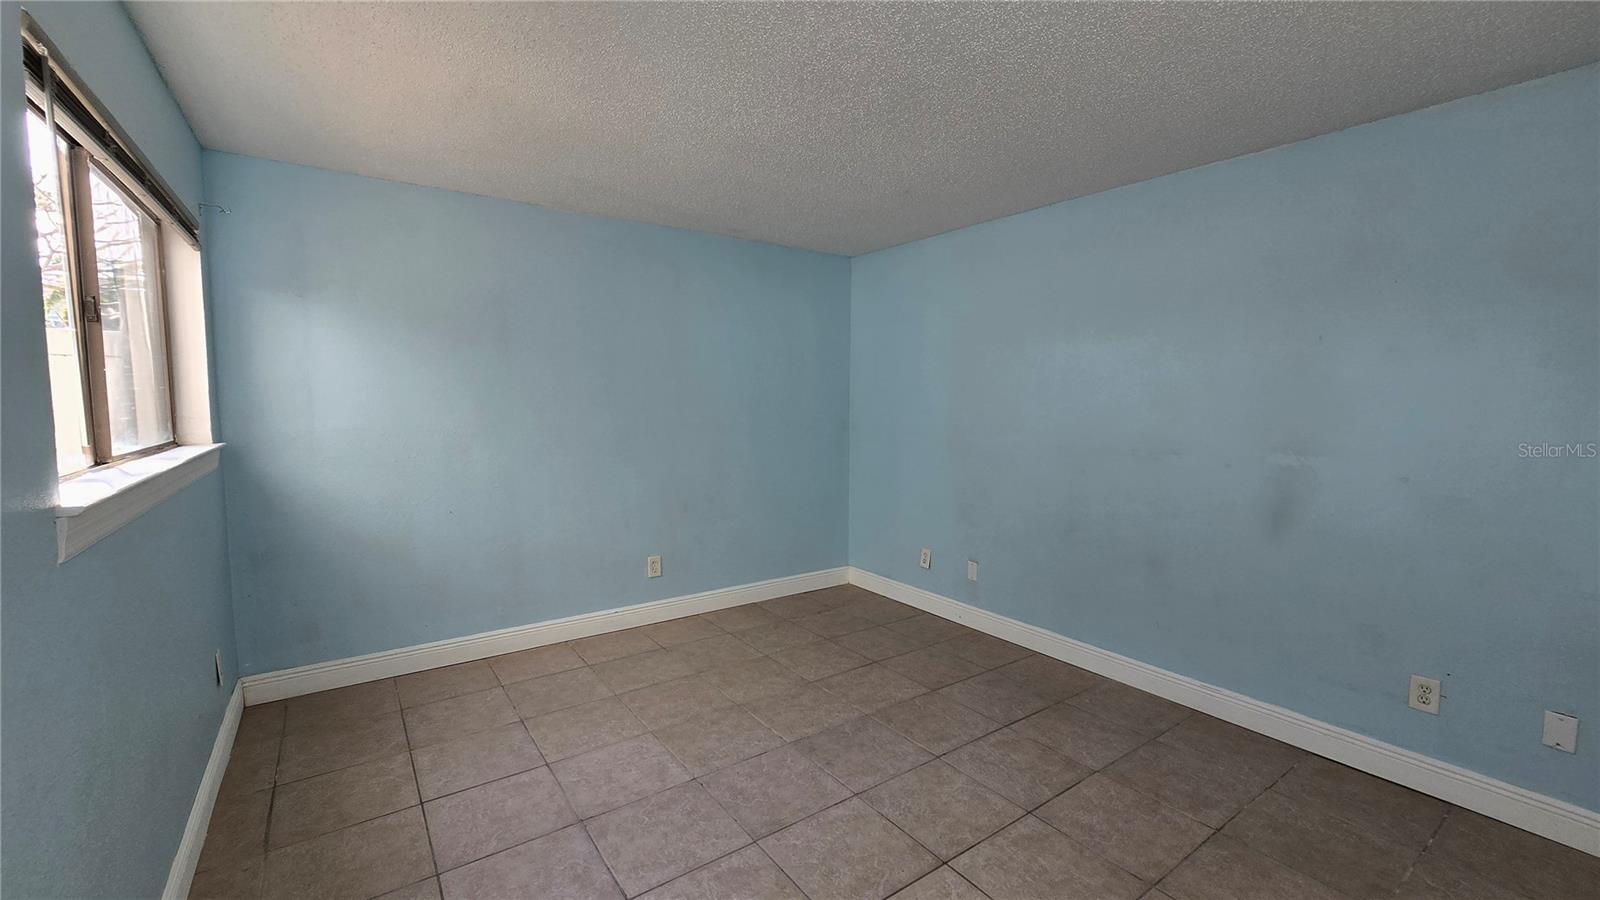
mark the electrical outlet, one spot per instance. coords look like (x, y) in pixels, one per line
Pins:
(652, 567)
(972, 570)
(927, 558)
(1424, 695)
(1560, 731)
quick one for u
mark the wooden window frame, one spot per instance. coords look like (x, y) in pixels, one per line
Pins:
(82, 154)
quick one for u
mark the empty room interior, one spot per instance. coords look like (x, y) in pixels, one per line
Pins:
(800, 451)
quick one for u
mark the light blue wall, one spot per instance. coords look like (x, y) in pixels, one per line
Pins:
(448, 414)
(110, 708)
(1258, 423)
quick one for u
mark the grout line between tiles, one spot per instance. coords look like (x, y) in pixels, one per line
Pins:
(404, 886)
(416, 806)
(1428, 844)
(801, 687)
(1218, 829)
(272, 801)
(420, 804)
(1214, 832)
(756, 842)
(581, 823)
(406, 732)
(1449, 809)
(422, 808)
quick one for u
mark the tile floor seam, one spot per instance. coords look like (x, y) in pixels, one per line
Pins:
(526, 719)
(1034, 809)
(496, 780)
(422, 804)
(1361, 829)
(1096, 854)
(312, 837)
(1218, 830)
(272, 798)
(754, 841)
(896, 825)
(584, 824)
(838, 702)
(1164, 804)
(416, 806)
(1026, 814)
(939, 861)
(837, 803)
(953, 856)
(700, 780)
(574, 645)
(1099, 718)
(1450, 811)
(640, 799)
(236, 866)
(1152, 885)
(353, 765)
(672, 753)
(505, 683)
(402, 887)
(964, 880)
(1000, 671)
(583, 819)
(427, 827)
(440, 873)
(653, 730)
(276, 783)
(422, 808)
(1092, 770)
(581, 823)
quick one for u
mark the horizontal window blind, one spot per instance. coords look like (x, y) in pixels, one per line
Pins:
(73, 99)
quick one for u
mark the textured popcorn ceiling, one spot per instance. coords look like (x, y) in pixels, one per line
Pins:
(843, 128)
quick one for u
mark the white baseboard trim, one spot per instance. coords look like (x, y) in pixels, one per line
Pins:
(269, 686)
(1555, 819)
(181, 875)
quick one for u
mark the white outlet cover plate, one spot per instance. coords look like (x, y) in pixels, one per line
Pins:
(652, 567)
(1561, 731)
(972, 570)
(1424, 695)
(927, 559)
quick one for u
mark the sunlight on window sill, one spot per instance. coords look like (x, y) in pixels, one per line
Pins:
(98, 502)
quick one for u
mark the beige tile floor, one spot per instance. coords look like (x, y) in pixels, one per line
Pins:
(834, 744)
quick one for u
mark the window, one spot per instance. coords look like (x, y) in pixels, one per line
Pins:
(101, 231)
(74, 451)
(124, 310)
(105, 324)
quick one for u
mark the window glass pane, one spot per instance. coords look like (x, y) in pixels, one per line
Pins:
(74, 448)
(131, 321)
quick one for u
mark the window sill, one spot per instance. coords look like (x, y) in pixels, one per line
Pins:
(100, 501)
